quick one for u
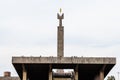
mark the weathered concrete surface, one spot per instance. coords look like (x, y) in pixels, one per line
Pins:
(101, 75)
(63, 60)
(50, 75)
(60, 37)
(60, 43)
(24, 75)
(87, 66)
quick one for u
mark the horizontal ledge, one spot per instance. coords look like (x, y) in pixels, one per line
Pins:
(65, 60)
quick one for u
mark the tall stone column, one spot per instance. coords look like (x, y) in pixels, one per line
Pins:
(60, 42)
(50, 72)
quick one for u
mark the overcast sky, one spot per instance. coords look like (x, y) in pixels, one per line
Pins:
(29, 28)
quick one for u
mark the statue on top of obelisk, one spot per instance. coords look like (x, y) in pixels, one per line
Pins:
(60, 16)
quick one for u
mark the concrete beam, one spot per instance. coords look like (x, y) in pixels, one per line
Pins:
(64, 60)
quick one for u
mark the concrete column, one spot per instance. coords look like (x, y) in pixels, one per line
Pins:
(76, 75)
(76, 72)
(102, 72)
(50, 75)
(24, 75)
(60, 43)
(50, 72)
(101, 75)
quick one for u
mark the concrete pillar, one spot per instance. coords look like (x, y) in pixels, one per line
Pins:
(60, 43)
(76, 73)
(50, 75)
(24, 75)
(101, 75)
(50, 72)
(102, 72)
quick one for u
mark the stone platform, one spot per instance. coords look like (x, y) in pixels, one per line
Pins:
(85, 68)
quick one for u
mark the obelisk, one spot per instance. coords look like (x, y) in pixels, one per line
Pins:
(60, 39)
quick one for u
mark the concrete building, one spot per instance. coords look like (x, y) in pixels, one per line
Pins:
(7, 76)
(84, 68)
